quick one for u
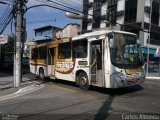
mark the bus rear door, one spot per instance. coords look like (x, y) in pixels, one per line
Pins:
(51, 60)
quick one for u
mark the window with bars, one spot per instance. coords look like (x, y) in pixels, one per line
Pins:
(97, 14)
(112, 10)
(85, 11)
(130, 11)
(155, 13)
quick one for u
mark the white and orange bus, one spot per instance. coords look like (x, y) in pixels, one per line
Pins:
(109, 59)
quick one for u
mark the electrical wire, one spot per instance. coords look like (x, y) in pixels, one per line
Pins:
(5, 21)
(33, 22)
(82, 12)
(69, 3)
(59, 4)
(6, 17)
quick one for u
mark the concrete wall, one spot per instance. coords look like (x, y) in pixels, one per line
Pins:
(68, 31)
(140, 10)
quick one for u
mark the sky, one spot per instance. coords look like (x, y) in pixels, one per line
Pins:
(46, 14)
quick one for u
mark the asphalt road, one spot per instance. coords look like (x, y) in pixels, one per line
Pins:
(65, 101)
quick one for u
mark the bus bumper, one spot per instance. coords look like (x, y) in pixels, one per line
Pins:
(119, 80)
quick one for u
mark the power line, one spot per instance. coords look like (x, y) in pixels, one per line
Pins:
(79, 11)
(6, 11)
(55, 7)
(33, 22)
(69, 2)
(59, 4)
(6, 18)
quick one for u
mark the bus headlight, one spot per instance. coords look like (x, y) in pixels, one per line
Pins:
(118, 75)
(121, 75)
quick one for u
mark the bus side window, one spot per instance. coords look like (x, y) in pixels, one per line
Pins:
(64, 50)
(34, 53)
(80, 49)
(42, 52)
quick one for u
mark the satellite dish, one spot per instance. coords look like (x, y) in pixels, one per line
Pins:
(74, 15)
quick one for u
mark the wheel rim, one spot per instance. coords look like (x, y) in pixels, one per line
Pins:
(83, 81)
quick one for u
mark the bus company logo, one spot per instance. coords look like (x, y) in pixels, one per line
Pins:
(64, 65)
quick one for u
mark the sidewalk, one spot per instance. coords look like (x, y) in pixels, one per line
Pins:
(7, 86)
(153, 76)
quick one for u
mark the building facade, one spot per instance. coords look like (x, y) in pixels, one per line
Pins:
(45, 34)
(128, 15)
(69, 30)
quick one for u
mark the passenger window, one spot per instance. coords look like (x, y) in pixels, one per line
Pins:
(80, 49)
(42, 53)
(64, 50)
(34, 53)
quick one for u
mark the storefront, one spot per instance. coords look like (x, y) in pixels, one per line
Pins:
(154, 59)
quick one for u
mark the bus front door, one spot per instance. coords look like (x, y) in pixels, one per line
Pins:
(96, 63)
(51, 71)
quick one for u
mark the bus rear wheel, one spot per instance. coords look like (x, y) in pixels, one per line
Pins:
(41, 74)
(83, 81)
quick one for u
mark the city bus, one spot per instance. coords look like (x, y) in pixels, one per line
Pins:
(104, 58)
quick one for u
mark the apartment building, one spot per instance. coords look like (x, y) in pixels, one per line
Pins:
(127, 15)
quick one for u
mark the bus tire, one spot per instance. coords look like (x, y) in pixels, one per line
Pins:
(41, 74)
(83, 81)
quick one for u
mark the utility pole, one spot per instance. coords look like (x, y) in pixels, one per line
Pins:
(18, 45)
(149, 37)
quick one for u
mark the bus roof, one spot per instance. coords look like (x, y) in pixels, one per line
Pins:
(83, 36)
(98, 33)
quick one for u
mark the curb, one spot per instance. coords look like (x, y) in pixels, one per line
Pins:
(153, 78)
(22, 91)
(10, 85)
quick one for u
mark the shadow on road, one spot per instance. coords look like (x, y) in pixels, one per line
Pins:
(104, 111)
(117, 91)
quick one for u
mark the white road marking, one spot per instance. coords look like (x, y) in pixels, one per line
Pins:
(22, 91)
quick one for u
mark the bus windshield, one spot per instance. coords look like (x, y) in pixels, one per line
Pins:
(125, 51)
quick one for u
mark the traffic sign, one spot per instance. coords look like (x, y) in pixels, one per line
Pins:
(3, 39)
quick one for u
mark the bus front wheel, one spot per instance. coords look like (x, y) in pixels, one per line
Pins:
(41, 74)
(83, 81)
